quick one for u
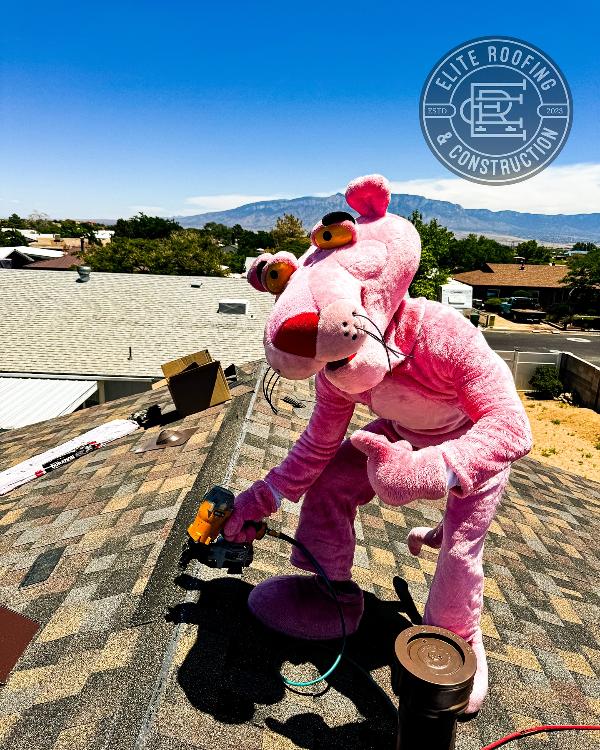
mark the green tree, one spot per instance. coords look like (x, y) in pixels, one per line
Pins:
(14, 221)
(584, 281)
(219, 232)
(189, 252)
(472, 252)
(435, 240)
(534, 253)
(185, 252)
(288, 227)
(586, 247)
(146, 227)
(13, 237)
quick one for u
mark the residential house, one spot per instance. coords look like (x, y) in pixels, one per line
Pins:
(544, 282)
(130, 653)
(18, 256)
(116, 330)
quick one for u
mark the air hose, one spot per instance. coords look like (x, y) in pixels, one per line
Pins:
(308, 683)
(332, 591)
(538, 730)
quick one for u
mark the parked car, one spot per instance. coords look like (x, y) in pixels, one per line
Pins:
(517, 303)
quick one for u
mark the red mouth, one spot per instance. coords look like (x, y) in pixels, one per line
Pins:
(340, 362)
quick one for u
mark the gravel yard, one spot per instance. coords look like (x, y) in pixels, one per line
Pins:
(565, 436)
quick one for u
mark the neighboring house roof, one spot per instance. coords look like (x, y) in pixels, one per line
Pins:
(31, 251)
(25, 401)
(64, 263)
(106, 670)
(50, 323)
(510, 274)
(6, 252)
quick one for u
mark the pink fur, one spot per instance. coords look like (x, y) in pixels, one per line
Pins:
(369, 195)
(400, 475)
(448, 395)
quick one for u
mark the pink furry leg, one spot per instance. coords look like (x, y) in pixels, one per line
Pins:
(456, 595)
(300, 605)
(424, 535)
(326, 524)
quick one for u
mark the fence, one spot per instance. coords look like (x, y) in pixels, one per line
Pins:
(523, 364)
(577, 375)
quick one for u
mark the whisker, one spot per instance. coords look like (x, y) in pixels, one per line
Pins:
(372, 322)
(264, 380)
(379, 341)
(387, 346)
(268, 384)
(275, 381)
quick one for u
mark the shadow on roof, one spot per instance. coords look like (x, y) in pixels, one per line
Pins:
(234, 667)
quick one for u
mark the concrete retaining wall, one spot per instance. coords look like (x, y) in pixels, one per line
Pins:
(581, 377)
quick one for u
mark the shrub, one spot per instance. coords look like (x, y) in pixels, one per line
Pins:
(493, 304)
(546, 382)
(586, 321)
(558, 311)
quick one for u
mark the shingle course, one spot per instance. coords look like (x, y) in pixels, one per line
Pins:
(88, 328)
(222, 688)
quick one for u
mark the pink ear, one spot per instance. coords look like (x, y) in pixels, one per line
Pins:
(369, 195)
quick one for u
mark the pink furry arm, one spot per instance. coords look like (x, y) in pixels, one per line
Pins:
(501, 432)
(317, 444)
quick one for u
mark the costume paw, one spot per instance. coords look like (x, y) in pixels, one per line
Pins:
(399, 474)
(254, 504)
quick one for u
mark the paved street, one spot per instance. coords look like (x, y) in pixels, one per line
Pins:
(584, 345)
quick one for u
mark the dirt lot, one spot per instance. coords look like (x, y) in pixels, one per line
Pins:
(565, 436)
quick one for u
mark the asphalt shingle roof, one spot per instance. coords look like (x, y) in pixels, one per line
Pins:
(510, 274)
(87, 329)
(106, 670)
(64, 263)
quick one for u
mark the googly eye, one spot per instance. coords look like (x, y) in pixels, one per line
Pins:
(276, 276)
(332, 236)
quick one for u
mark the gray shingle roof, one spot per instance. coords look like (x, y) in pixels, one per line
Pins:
(106, 672)
(49, 323)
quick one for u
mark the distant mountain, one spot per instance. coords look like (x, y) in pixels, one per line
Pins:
(556, 228)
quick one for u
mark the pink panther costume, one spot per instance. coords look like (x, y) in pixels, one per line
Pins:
(450, 420)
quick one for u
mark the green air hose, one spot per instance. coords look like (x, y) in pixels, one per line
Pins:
(332, 591)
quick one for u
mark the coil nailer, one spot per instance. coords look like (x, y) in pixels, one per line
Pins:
(205, 542)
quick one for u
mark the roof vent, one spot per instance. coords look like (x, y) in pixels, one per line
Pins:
(233, 306)
(84, 274)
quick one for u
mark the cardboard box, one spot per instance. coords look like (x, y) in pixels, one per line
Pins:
(196, 382)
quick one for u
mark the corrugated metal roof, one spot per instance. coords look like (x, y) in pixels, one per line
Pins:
(25, 401)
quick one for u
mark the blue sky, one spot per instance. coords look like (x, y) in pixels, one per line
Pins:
(113, 107)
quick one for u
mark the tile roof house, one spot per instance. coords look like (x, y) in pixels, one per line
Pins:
(107, 671)
(503, 279)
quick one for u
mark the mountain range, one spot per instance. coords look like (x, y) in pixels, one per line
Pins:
(505, 225)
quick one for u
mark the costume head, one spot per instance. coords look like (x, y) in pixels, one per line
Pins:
(349, 283)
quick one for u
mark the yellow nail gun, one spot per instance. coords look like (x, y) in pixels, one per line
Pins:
(205, 542)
